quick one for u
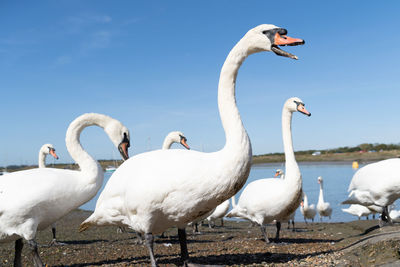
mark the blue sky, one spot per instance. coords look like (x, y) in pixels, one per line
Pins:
(154, 65)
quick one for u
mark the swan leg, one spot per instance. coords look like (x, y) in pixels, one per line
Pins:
(264, 233)
(222, 222)
(183, 244)
(278, 229)
(150, 243)
(139, 238)
(292, 225)
(54, 242)
(18, 251)
(196, 229)
(37, 262)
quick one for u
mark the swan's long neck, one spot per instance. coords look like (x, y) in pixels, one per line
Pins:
(292, 170)
(305, 200)
(236, 135)
(167, 143)
(321, 193)
(236, 154)
(88, 165)
(42, 159)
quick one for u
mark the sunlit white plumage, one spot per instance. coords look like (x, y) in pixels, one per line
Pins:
(376, 184)
(160, 189)
(33, 199)
(265, 200)
(357, 210)
(324, 208)
(219, 212)
(308, 211)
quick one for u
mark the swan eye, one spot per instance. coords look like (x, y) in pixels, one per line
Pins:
(282, 32)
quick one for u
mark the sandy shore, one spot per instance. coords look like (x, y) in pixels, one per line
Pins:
(357, 243)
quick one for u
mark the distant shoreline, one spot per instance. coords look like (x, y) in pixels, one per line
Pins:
(334, 158)
(326, 158)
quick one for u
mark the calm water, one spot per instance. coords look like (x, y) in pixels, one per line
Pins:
(336, 177)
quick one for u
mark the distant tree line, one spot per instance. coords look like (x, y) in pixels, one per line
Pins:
(345, 149)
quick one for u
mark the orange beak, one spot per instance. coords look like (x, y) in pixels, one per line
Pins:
(283, 40)
(303, 110)
(183, 143)
(286, 40)
(53, 153)
(276, 174)
(123, 150)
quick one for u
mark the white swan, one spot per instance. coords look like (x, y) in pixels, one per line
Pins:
(33, 199)
(160, 189)
(175, 137)
(324, 208)
(376, 184)
(45, 150)
(219, 212)
(358, 210)
(308, 211)
(265, 200)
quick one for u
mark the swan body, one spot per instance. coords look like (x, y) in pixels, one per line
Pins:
(265, 200)
(31, 200)
(279, 173)
(395, 215)
(358, 210)
(324, 208)
(308, 211)
(156, 190)
(376, 184)
(219, 212)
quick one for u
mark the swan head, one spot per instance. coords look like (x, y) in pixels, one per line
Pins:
(178, 137)
(320, 180)
(268, 37)
(278, 173)
(120, 137)
(294, 104)
(49, 149)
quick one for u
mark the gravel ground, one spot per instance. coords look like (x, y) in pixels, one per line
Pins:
(357, 243)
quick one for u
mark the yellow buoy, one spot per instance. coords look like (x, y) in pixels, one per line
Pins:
(355, 165)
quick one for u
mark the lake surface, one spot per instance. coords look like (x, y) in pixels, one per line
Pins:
(337, 177)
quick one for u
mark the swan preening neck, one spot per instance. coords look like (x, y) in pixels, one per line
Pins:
(43, 152)
(115, 130)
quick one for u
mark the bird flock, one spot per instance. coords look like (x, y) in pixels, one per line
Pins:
(172, 188)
